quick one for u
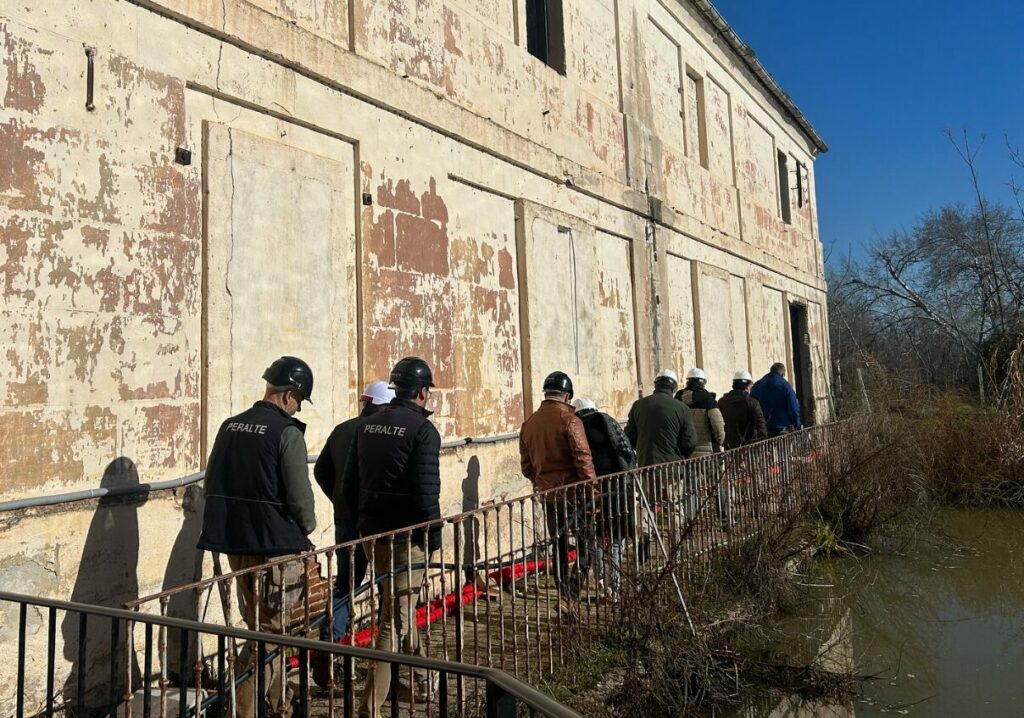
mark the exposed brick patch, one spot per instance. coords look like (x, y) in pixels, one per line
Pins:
(400, 197)
(434, 207)
(506, 277)
(25, 89)
(379, 236)
(422, 246)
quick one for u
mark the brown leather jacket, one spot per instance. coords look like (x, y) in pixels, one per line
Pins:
(553, 447)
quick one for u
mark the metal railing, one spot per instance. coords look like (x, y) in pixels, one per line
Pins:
(133, 684)
(517, 584)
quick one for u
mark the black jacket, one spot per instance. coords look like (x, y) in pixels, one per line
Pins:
(744, 420)
(252, 508)
(393, 472)
(609, 446)
(661, 429)
(330, 466)
(613, 454)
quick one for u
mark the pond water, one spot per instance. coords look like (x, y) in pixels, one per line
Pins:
(938, 622)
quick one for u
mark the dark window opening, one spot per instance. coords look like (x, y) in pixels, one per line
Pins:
(784, 206)
(545, 36)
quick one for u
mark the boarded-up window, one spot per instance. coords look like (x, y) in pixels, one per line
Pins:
(696, 119)
(723, 326)
(719, 112)
(580, 307)
(760, 165)
(681, 345)
(716, 329)
(769, 326)
(280, 257)
(662, 63)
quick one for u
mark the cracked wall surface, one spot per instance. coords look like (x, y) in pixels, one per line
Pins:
(367, 180)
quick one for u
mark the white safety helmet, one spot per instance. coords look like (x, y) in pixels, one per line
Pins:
(581, 402)
(667, 374)
(742, 375)
(696, 373)
(378, 393)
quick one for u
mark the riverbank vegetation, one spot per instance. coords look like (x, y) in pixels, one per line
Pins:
(886, 472)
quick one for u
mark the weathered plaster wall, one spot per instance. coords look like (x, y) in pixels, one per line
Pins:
(368, 180)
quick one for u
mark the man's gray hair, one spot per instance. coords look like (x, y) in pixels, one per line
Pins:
(778, 368)
(271, 389)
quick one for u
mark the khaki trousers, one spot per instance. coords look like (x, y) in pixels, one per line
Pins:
(265, 606)
(398, 632)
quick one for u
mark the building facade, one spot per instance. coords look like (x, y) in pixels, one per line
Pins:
(190, 188)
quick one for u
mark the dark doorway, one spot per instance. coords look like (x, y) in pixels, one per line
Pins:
(801, 342)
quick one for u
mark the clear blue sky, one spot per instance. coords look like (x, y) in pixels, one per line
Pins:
(880, 81)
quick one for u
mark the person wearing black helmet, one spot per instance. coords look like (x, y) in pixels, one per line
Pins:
(259, 505)
(554, 452)
(393, 477)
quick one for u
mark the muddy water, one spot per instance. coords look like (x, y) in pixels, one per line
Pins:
(938, 623)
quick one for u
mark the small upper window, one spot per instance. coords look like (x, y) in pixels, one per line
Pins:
(786, 211)
(545, 36)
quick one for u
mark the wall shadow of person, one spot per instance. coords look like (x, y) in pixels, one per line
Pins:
(184, 566)
(471, 527)
(107, 576)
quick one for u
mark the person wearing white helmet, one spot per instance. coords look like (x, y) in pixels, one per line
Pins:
(660, 428)
(328, 472)
(707, 419)
(744, 420)
(612, 454)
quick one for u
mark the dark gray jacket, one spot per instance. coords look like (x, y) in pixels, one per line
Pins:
(661, 429)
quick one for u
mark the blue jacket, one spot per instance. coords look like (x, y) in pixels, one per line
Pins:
(778, 401)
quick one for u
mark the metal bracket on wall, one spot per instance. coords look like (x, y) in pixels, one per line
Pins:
(90, 78)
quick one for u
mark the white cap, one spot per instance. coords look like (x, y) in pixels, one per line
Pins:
(667, 374)
(581, 402)
(742, 375)
(696, 373)
(378, 393)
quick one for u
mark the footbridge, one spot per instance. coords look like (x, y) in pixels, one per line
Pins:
(516, 589)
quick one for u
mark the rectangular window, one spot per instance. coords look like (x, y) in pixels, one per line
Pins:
(545, 35)
(697, 134)
(784, 206)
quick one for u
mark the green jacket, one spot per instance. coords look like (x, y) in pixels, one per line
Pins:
(660, 429)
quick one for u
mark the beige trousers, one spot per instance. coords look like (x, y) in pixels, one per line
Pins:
(265, 606)
(398, 632)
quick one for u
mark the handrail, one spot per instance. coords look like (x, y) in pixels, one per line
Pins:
(509, 684)
(100, 492)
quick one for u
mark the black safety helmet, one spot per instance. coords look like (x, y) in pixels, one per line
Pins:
(558, 381)
(292, 372)
(411, 374)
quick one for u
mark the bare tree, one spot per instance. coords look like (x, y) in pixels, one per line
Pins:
(943, 298)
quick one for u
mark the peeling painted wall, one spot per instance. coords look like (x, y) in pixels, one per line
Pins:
(368, 180)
